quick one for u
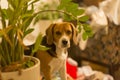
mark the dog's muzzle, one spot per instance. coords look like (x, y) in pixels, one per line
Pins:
(65, 43)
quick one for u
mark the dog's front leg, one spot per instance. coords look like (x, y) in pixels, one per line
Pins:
(47, 73)
(63, 73)
(47, 76)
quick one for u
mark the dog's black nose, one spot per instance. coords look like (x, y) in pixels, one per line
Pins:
(64, 42)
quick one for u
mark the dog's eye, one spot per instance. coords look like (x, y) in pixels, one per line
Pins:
(58, 33)
(68, 32)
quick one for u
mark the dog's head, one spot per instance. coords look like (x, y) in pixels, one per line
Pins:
(61, 34)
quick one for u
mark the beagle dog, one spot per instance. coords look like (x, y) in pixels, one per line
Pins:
(59, 37)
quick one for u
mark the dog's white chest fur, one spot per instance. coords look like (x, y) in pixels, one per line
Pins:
(57, 63)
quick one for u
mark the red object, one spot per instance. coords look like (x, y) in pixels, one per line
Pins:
(71, 70)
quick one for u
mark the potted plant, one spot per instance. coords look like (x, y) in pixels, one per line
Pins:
(15, 22)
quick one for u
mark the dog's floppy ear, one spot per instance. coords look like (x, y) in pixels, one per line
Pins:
(49, 34)
(74, 34)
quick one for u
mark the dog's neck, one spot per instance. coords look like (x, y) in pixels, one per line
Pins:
(61, 52)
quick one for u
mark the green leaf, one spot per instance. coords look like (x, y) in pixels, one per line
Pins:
(43, 48)
(79, 12)
(79, 28)
(88, 30)
(27, 14)
(84, 36)
(12, 4)
(28, 31)
(28, 64)
(67, 18)
(90, 33)
(63, 4)
(10, 14)
(72, 9)
(84, 18)
(4, 13)
(37, 43)
(86, 27)
(27, 22)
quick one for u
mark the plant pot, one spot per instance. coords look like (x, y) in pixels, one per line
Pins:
(32, 73)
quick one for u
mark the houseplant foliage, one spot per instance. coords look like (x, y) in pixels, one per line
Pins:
(15, 26)
(68, 11)
(15, 22)
(74, 13)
